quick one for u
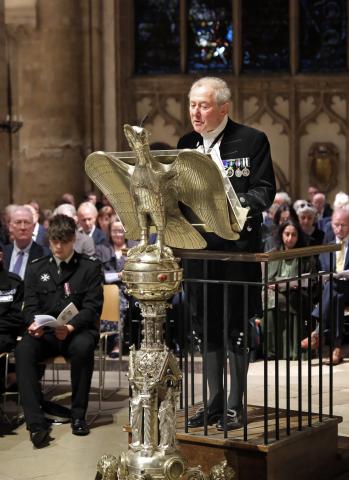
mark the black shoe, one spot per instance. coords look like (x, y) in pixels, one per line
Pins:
(234, 420)
(197, 420)
(80, 427)
(40, 436)
(55, 413)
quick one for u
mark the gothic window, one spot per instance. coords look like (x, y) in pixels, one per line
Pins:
(265, 36)
(240, 36)
(323, 35)
(210, 35)
(157, 36)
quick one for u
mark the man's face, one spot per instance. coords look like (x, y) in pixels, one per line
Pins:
(21, 227)
(92, 198)
(318, 202)
(87, 220)
(62, 250)
(340, 224)
(205, 114)
(311, 192)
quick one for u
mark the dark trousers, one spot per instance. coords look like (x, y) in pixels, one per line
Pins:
(7, 343)
(77, 347)
(215, 365)
(340, 297)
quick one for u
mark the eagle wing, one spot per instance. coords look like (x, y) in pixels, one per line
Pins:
(199, 185)
(112, 177)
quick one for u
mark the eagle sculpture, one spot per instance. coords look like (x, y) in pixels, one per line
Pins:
(148, 194)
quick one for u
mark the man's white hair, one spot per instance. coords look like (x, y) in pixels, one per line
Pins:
(220, 87)
(284, 197)
(21, 209)
(340, 200)
(88, 206)
(65, 209)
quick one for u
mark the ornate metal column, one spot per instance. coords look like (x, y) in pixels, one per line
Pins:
(143, 195)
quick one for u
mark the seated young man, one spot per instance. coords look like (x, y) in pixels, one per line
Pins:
(51, 283)
(11, 317)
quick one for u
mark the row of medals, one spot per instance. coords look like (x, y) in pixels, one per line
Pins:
(238, 172)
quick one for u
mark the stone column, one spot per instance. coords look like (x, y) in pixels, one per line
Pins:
(4, 136)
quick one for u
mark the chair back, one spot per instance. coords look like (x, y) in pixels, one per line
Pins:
(111, 303)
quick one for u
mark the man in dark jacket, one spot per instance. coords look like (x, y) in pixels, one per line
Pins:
(51, 284)
(23, 250)
(245, 154)
(11, 317)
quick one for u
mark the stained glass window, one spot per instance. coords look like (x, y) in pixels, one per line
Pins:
(265, 36)
(210, 35)
(323, 35)
(157, 44)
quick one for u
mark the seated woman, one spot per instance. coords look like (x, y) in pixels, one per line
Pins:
(289, 236)
(113, 257)
(283, 214)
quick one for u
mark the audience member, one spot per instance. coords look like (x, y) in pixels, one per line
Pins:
(283, 213)
(93, 198)
(323, 209)
(23, 249)
(307, 219)
(105, 216)
(87, 217)
(340, 286)
(83, 243)
(312, 190)
(51, 284)
(113, 257)
(282, 198)
(289, 236)
(39, 232)
(11, 317)
(6, 219)
(66, 198)
(47, 214)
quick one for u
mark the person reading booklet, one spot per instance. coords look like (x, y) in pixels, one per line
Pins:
(63, 318)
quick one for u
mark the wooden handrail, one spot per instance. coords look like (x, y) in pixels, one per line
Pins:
(256, 257)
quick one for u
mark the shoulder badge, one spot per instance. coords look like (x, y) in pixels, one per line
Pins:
(39, 259)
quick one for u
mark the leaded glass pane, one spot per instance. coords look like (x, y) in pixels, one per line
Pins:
(210, 35)
(265, 36)
(157, 46)
(323, 35)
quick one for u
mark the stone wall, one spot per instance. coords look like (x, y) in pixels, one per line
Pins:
(50, 58)
(4, 137)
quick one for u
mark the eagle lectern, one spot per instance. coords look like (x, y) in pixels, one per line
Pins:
(145, 189)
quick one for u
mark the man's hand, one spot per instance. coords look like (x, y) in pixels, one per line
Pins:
(62, 332)
(35, 331)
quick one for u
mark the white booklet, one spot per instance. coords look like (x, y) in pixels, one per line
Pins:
(63, 318)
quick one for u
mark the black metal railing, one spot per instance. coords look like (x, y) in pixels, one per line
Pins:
(306, 288)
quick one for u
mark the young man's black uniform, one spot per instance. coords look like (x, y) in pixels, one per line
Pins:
(50, 285)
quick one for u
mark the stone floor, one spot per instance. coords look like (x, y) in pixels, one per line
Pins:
(71, 457)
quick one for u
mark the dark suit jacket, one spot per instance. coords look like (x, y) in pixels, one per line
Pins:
(256, 191)
(36, 251)
(99, 237)
(41, 236)
(325, 260)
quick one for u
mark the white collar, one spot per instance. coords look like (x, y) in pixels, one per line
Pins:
(211, 135)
